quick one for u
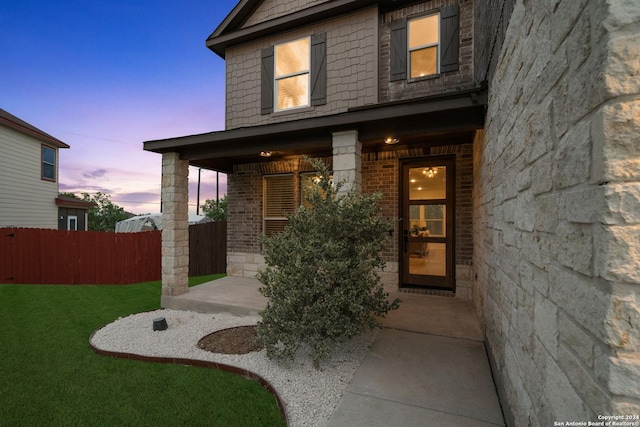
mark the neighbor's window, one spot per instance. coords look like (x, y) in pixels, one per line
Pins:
(279, 201)
(48, 163)
(424, 38)
(292, 65)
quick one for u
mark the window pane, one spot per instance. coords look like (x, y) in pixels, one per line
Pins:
(428, 183)
(48, 155)
(292, 91)
(272, 227)
(424, 62)
(48, 171)
(292, 57)
(279, 197)
(424, 31)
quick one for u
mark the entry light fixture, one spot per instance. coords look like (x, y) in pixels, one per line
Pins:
(266, 153)
(430, 172)
(391, 140)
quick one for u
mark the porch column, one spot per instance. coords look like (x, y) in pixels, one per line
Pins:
(175, 224)
(347, 150)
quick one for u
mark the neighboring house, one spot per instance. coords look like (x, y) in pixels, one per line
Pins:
(503, 134)
(28, 174)
(73, 213)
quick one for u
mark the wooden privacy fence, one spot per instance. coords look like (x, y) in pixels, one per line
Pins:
(43, 256)
(208, 248)
(29, 255)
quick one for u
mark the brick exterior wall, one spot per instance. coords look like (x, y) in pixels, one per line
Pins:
(556, 202)
(352, 64)
(380, 172)
(445, 82)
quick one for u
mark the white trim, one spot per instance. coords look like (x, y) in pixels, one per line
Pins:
(75, 219)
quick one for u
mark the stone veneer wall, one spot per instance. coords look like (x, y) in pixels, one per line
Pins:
(557, 212)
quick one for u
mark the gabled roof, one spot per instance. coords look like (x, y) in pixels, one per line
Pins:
(230, 31)
(20, 125)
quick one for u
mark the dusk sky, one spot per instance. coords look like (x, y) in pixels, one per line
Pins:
(105, 76)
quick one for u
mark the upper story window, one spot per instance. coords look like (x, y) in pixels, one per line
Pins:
(292, 71)
(425, 45)
(48, 163)
(424, 38)
(294, 74)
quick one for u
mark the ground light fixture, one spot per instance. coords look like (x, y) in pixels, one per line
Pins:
(160, 324)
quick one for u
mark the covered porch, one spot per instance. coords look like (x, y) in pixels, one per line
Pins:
(416, 127)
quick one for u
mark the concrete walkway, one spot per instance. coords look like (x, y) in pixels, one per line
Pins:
(428, 366)
(431, 369)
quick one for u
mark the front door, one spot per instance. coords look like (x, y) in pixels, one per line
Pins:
(427, 248)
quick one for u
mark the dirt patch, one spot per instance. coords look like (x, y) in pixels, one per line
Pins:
(240, 340)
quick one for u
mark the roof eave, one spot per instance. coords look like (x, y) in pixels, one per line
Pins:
(230, 34)
(315, 133)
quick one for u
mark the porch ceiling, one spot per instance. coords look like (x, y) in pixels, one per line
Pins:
(434, 120)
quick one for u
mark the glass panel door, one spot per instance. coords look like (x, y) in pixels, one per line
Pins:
(428, 224)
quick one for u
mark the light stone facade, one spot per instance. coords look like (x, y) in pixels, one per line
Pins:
(175, 221)
(557, 212)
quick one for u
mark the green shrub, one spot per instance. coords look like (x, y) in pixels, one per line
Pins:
(320, 276)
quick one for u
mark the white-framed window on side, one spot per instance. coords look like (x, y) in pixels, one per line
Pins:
(279, 201)
(424, 46)
(48, 163)
(72, 223)
(292, 66)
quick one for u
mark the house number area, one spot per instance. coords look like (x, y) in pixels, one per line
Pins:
(605, 421)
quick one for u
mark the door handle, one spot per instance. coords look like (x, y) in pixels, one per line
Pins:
(406, 241)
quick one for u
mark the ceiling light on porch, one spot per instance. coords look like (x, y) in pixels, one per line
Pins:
(266, 153)
(391, 141)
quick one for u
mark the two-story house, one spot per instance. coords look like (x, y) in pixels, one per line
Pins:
(29, 163)
(503, 135)
(384, 91)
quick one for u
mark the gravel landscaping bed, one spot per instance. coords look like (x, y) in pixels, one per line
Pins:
(310, 396)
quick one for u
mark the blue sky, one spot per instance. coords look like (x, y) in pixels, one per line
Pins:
(104, 76)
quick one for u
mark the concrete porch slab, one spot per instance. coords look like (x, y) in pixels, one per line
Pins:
(234, 295)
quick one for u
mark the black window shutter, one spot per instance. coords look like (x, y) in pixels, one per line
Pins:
(319, 69)
(399, 49)
(449, 39)
(267, 80)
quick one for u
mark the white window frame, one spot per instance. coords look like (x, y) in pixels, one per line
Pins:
(55, 158)
(73, 218)
(413, 49)
(277, 78)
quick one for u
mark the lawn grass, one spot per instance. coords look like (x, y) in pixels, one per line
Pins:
(50, 376)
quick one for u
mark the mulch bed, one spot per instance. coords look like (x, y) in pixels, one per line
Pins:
(240, 340)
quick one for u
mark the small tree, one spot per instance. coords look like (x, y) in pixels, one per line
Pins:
(216, 210)
(321, 278)
(106, 214)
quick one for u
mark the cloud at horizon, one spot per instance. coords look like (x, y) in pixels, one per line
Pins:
(104, 79)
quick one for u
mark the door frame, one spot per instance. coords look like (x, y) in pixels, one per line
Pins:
(447, 282)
